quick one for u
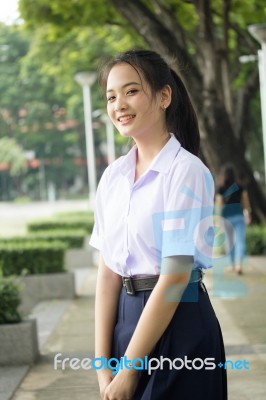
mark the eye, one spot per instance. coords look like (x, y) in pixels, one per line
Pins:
(132, 92)
(110, 99)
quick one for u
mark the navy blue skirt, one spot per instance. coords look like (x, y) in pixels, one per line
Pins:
(194, 332)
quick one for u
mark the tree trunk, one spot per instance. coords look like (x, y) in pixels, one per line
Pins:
(221, 139)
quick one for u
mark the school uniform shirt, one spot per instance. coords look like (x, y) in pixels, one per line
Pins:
(166, 212)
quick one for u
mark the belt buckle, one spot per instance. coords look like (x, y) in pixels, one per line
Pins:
(128, 284)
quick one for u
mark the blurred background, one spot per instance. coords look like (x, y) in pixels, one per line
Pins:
(45, 43)
(55, 142)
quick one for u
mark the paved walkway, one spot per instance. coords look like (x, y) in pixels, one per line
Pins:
(243, 322)
(15, 216)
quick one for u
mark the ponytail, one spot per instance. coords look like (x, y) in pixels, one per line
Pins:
(181, 117)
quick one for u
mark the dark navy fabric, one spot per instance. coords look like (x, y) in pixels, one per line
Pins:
(232, 200)
(194, 332)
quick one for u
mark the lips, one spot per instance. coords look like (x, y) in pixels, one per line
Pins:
(125, 118)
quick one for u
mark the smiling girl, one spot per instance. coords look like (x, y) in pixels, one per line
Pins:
(150, 204)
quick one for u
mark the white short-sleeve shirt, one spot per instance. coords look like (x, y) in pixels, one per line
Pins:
(167, 211)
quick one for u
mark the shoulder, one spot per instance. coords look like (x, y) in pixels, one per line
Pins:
(190, 178)
(189, 166)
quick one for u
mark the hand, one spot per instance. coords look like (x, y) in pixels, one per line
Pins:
(122, 386)
(104, 379)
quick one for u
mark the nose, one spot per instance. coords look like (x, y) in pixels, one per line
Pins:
(120, 104)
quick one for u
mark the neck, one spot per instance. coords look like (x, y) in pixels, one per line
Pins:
(148, 148)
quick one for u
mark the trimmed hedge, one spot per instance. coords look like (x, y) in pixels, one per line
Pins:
(38, 257)
(9, 301)
(256, 240)
(62, 225)
(72, 239)
(75, 215)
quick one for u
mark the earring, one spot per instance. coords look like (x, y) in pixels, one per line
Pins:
(164, 107)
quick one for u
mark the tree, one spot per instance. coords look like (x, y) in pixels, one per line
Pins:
(33, 113)
(12, 165)
(224, 113)
(203, 39)
(12, 155)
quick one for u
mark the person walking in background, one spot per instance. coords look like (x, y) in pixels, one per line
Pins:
(150, 298)
(233, 200)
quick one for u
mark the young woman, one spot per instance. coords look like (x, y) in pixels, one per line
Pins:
(233, 200)
(153, 229)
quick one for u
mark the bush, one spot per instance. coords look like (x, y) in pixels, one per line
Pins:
(63, 225)
(72, 239)
(32, 257)
(256, 240)
(84, 215)
(9, 300)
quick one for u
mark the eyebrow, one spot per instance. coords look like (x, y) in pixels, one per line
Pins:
(124, 86)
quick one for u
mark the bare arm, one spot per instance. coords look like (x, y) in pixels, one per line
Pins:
(219, 200)
(161, 306)
(107, 293)
(245, 200)
(246, 206)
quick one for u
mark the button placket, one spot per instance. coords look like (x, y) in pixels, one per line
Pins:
(125, 232)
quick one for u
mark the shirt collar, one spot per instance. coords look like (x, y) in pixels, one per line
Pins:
(161, 163)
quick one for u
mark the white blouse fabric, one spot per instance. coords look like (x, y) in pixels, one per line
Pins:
(168, 211)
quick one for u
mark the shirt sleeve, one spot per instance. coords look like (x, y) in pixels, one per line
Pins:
(97, 235)
(185, 227)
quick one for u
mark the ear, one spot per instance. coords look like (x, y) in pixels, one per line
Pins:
(166, 96)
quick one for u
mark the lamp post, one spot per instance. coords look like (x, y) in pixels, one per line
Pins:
(258, 31)
(86, 80)
(110, 137)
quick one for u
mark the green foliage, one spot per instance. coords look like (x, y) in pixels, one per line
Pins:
(64, 37)
(68, 13)
(72, 239)
(9, 301)
(63, 225)
(41, 104)
(12, 154)
(256, 240)
(75, 214)
(32, 257)
(33, 113)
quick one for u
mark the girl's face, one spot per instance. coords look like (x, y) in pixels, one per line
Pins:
(131, 106)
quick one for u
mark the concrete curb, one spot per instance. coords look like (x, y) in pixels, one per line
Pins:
(19, 343)
(44, 287)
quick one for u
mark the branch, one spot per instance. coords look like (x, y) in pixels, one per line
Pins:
(243, 37)
(166, 17)
(206, 30)
(158, 37)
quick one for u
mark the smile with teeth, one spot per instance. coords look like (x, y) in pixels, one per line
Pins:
(126, 118)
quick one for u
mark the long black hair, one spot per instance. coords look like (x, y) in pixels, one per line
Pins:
(181, 118)
(228, 175)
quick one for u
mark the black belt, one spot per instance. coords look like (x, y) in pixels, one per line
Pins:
(133, 285)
